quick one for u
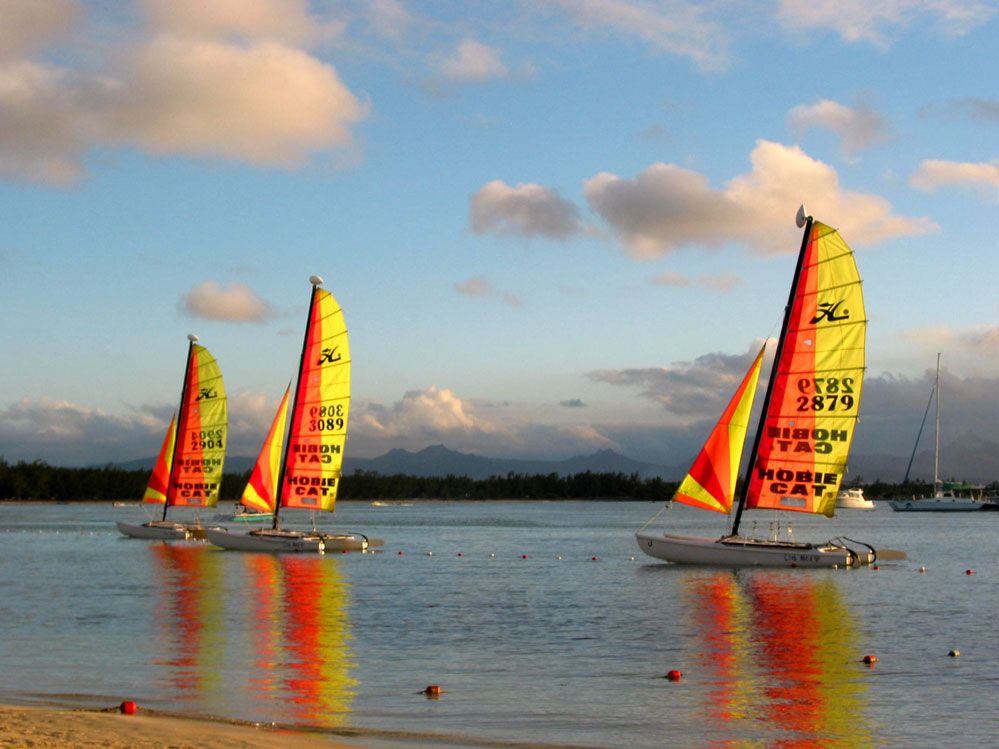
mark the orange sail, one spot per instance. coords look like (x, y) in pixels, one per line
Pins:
(319, 417)
(261, 490)
(201, 434)
(710, 484)
(812, 411)
(156, 490)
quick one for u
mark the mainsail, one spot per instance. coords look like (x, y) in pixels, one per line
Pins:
(261, 490)
(319, 415)
(199, 452)
(710, 484)
(159, 480)
(814, 396)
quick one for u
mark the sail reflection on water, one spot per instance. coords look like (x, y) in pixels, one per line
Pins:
(263, 636)
(780, 651)
(190, 617)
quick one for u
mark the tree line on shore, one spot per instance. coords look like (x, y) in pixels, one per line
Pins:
(37, 480)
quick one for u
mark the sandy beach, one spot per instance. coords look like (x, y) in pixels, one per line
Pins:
(53, 727)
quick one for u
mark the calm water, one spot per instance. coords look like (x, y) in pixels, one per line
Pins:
(540, 650)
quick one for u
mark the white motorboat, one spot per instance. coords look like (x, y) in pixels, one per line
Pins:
(853, 499)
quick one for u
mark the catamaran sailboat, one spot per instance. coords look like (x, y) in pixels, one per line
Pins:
(803, 438)
(188, 471)
(303, 471)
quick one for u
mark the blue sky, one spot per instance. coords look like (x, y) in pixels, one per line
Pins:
(554, 226)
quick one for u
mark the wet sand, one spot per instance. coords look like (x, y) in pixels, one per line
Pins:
(54, 727)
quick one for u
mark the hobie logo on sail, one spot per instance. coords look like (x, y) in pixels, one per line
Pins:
(329, 356)
(828, 311)
(205, 393)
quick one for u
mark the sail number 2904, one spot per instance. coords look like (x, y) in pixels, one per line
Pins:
(826, 394)
(326, 418)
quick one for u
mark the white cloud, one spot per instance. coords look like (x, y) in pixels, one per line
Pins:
(438, 416)
(264, 103)
(285, 20)
(474, 61)
(228, 79)
(526, 209)
(857, 127)
(671, 279)
(63, 433)
(237, 303)
(481, 288)
(26, 25)
(666, 206)
(876, 22)
(676, 27)
(723, 282)
(933, 174)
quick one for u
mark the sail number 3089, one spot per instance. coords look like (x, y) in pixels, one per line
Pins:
(826, 394)
(326, 418)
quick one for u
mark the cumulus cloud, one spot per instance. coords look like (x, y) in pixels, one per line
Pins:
(671, 279)
(875, 23)
(666, 206)
(526, 209)
(264, 103)
(63, 433)
(237, 303)
(701, 388)
(474, 61)
(934, 174)
(29, 24)
(857, 127)
(231, 80)
(438, 416)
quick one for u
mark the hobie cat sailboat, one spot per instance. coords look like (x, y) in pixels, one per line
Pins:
(804, 435)
(306, 473)
(188, 471)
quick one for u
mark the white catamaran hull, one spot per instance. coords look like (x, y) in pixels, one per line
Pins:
(162, 530)
(290, 541)
(744, 552)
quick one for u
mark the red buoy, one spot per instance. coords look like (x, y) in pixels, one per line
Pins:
(459, 554)
(968, 572)
(400, 552)
(594, 559)
(674, 675)
(870, 659)
(875, 567)
(524, 557)
(127, 707)
(432, 690)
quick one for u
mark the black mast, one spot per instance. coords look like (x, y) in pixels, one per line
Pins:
(191, 338)
(316, 282)
(744, 494)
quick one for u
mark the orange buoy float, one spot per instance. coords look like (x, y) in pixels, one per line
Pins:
(870, 659)
(968, 572)
(127, 707)
(954, 653)
(674, 675)
(432, 691)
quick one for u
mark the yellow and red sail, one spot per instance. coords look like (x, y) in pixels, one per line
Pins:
(809, 424)
(261, 490)
(710, 483)
(319, 419)
(196, 473)
(159, 480)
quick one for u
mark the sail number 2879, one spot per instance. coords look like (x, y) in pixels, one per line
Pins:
(826, 394)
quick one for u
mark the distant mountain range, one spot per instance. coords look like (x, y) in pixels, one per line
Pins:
(969, 458)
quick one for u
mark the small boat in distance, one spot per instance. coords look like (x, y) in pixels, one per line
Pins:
(188, 471)
(802, 442)
(853, 499)
(303, 471)
(947, 496)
